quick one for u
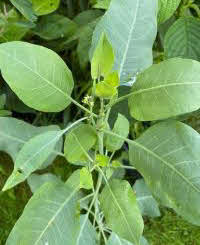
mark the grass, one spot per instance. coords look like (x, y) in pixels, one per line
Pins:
(169, 229)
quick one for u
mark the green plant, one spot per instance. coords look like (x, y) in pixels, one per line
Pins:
(96, 205)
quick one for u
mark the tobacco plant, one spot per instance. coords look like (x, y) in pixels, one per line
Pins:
(96, 204)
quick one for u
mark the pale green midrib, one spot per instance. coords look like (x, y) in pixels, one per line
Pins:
(166, 163)
(162, 86)
(156, 156)
(129, 38)
(56, 214)
(129, 228)
(144, 197)
(41, 77)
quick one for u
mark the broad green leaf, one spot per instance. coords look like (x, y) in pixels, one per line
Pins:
(87, 235)
(45, 6)
(54, 26)
(25, 7)
(147, 204)
(54, 218)
(15, 133)
(136, 21)
(31, 157)
(86, 17)
(78, 142)
(167, 89)
(167, 155)
(166, 9)
(102, 4)
(86, 181)
(35, 181)
(38, 76)
(122, 214)
(114, 239)
(181, 40)
(103, 58)
(121, 127)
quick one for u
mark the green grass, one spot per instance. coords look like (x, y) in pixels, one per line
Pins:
(169, 229)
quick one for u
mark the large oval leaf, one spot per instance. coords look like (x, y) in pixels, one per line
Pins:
(131, 29)
(38, 76)
(182, 39)
(167, 89)
(121, 212)
(167, 155)
(50, 217)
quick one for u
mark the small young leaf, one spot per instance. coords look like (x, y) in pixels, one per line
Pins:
(108, 88)
(121, 127)
(172, 87)
(147, 204)
(32, 156)
(104, 90)
(78, 142)
(102, 160)
(122, 214)
(103, 58)
(45, 6)
(40, 79)
(86, 180)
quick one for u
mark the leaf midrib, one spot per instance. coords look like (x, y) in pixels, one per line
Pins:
(118, 205)
(129, 38)
(162, 86)
(56, 214)
(168, 164)
(36, 73)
